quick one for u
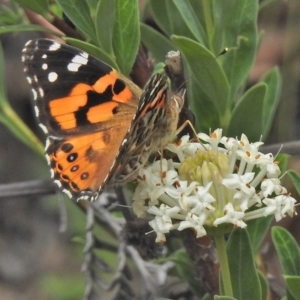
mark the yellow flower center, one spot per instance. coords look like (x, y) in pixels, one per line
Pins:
(204, 167)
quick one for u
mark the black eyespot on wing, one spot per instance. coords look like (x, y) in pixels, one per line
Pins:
(72, 157)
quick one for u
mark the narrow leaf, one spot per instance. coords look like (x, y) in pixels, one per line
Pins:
(293, 285)
(126, 34)
(207, 71)
(263, 284)
(205, 112)
(274, 82)
(287, 250)
(295, 177)
(78, 12)
(162, 15)
(189, 17)
(282, 160)
(104, 21)
(248, 113)
(177, 17)
(244, 277)
(257, 230)
(155, 42)
(39, 6)
(235, 24)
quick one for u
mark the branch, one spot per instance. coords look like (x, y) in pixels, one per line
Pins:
(28, 188)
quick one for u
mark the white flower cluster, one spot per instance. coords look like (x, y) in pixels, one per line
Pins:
(209, 185)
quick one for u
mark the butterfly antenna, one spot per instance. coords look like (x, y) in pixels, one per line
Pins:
(183, 84)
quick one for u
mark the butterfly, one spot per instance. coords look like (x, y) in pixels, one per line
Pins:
(100, 127)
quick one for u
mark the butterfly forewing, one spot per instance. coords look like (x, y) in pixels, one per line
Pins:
(74, 91)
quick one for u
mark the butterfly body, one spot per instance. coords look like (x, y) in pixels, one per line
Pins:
(100, 127)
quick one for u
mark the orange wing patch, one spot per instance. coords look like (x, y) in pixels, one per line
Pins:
(84, 102)
(75, 161)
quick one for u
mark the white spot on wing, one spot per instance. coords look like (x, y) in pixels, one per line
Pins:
(86, 197)
(44, 128)
(36, 110)
(41, 91)
(27, 44)
(44, 56)
(52, 76)
(55, 46)
(29, 79)
(77, 61)
(47, 144)
(67, 193)
(73, 67)
(58, 183)
(51, 171)
(81, 59)
(44, 66)
(34, 93)
(53, 137)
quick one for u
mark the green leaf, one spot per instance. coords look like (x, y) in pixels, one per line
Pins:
(287, 250)
(189, 17)
(126, 34)
(264, 285)
(248, 113)
(293, 285)
(161, 16)
(39, 6)
(244, 277)
(282, 159)
(216, 297)
(93, 50)
(211, 79)
(21, 28)
(257, 230)
(104, 23)
(235, 24)
(78, 12)
(11, 15)
(206, 114)
(295, 177)
(155, 42)
(202, 10)
(274, 82)
(177, 17)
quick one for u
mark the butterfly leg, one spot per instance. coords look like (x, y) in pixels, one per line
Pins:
(189, 123)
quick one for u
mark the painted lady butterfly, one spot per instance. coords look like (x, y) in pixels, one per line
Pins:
(100, 127)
